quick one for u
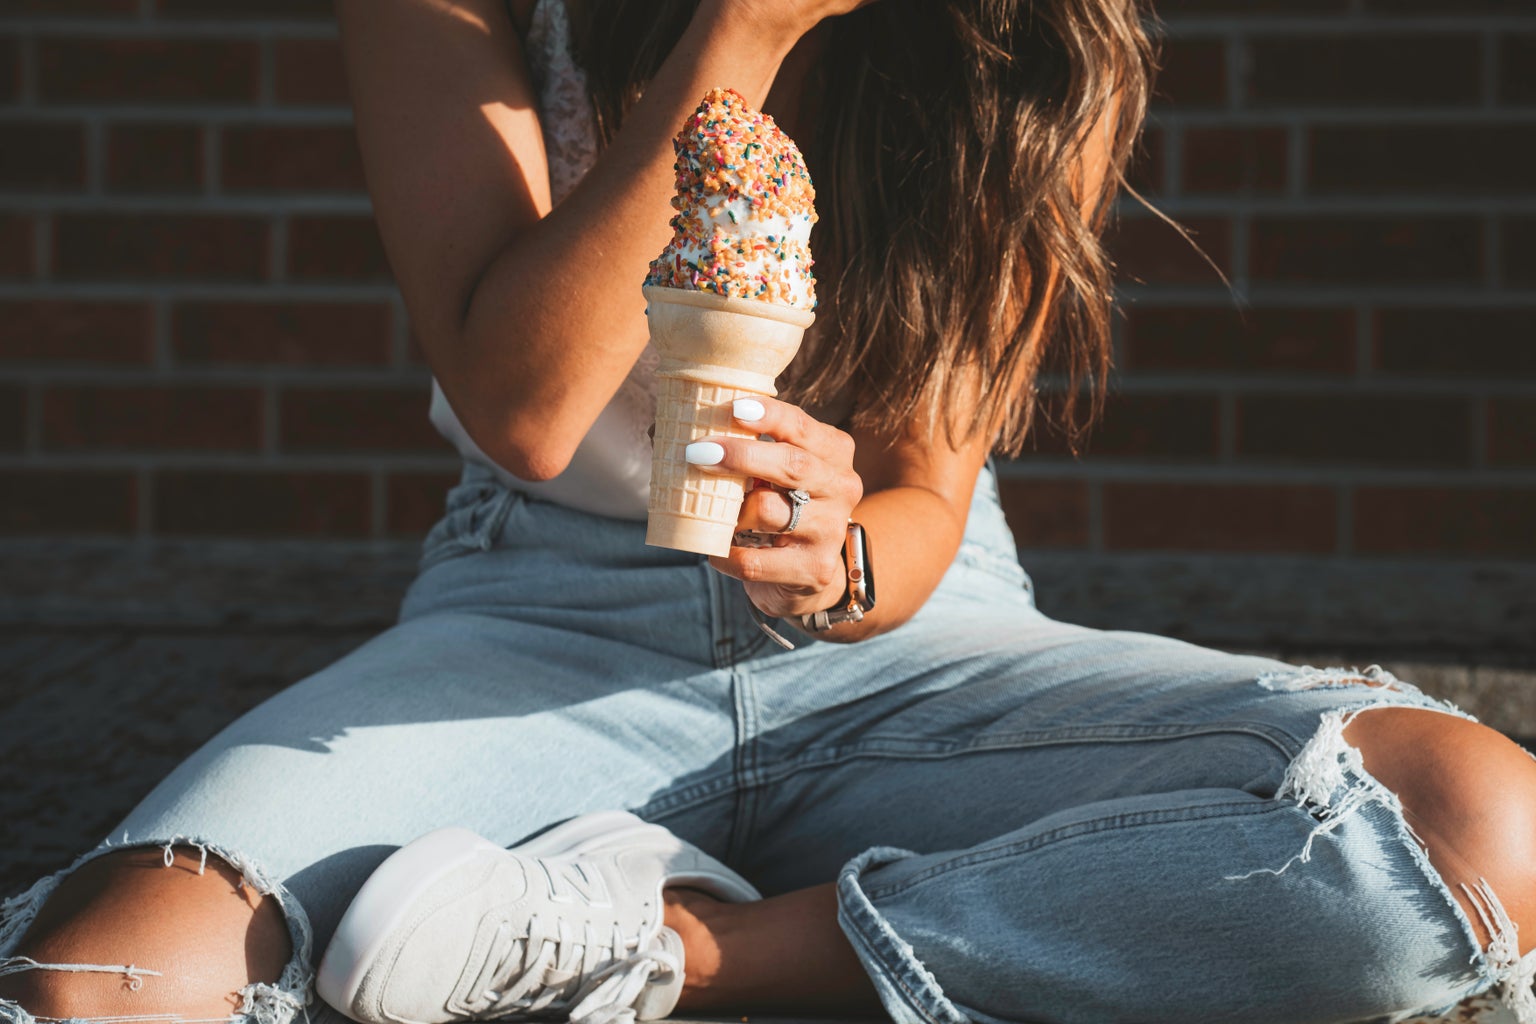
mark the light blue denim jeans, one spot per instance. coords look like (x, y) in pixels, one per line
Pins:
(1026, 820)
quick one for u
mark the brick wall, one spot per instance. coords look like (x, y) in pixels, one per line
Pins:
(199, 336)
(1363, 172)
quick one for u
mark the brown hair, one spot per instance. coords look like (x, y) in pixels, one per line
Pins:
(946, 154)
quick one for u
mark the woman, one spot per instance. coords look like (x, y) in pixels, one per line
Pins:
(959, 809)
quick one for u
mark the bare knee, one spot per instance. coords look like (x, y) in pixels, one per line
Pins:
(1470, 795)
(193, 931)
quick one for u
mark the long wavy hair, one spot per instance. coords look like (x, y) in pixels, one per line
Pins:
(954, 225)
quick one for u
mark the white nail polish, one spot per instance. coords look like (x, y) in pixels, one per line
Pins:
(704, 453)
(748, 410)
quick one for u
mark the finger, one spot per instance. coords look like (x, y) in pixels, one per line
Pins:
(768, 510)
(782, 465)
(792, 424)
(802, 572)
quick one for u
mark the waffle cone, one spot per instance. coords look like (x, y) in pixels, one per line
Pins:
(713, 351)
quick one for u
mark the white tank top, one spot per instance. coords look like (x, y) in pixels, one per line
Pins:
(610, 474)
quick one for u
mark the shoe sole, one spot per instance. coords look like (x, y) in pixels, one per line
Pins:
(415, 867)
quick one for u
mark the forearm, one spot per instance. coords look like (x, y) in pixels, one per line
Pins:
(913, 534)
(555, 322)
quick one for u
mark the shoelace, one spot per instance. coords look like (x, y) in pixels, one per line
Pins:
(608, 998)
(548, 971)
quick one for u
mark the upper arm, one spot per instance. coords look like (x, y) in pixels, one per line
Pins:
(919, 458)
(450, 140)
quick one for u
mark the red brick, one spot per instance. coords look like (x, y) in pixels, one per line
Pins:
(336, 248)
(358, 419)
(1518, 253)
(1147, 250)
(1147, 426)
(282, 333)
(1462, 7)
(1464, 521)
(72, 8)
(414, 501)
(1517, 55)
(1193, 73)
(309, 72)
(1350, 250)
(75, 331)
(319, 10)
(1436, 70)
(160, 246)
(1512, 432)
(1219, 517)
(1417, 431)
(10, 70)
(199, 418)
(262, 504)
(1457, 342)
(1046, 513)
(1206, 340)
(154, 158)
(291, 158)
(1463, 159)
(113, 71)
(42, 156)
(1251, 160)
(15, 246)
(13, 418)
(67, 502)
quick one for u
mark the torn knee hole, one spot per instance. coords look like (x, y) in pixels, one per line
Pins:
(1305, 677)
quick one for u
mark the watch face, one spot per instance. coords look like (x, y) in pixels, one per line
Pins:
(861, 573)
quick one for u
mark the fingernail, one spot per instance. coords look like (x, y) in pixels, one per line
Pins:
(704, 453)
(748, 410)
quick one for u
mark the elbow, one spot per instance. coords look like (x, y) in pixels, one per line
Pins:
(537, 464)
(531, 452)
(534, 457)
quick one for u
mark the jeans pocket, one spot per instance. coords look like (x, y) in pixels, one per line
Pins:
(474, 513)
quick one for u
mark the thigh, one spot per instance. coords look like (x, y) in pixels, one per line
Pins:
(983, 715)
(449, 718)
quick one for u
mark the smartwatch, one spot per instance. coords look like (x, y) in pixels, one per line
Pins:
(859, 594)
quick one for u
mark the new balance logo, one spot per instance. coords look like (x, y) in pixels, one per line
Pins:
(569, 882)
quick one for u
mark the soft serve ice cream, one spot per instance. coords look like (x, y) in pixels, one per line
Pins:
(728, 302)
(745, 207)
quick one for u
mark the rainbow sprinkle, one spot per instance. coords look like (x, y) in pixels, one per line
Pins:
(745, 205)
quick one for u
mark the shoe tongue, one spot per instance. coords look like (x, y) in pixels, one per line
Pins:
(661, 994)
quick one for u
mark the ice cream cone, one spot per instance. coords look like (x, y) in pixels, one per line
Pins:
(713, 351)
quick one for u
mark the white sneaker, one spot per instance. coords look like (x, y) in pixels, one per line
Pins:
(452, 927)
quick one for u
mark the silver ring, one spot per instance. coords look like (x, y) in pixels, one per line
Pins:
(798, 499)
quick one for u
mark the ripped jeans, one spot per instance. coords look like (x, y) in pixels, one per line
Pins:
(1026, 820)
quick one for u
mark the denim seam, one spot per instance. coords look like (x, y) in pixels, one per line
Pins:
(691, 796)
(1080, 830)
(873, 956)
(928, 751)
(857, 913)
(744, 762)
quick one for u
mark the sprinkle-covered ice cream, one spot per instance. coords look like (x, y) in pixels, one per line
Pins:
(745, 206)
